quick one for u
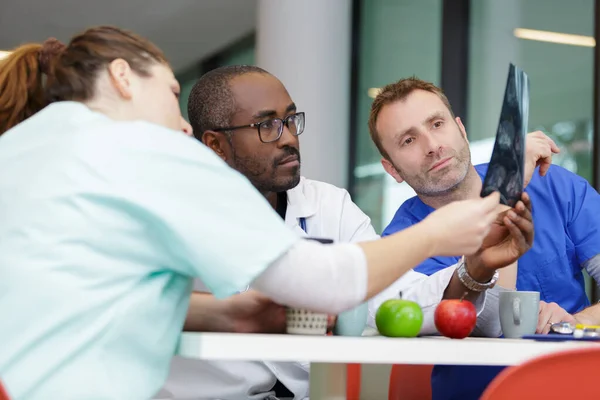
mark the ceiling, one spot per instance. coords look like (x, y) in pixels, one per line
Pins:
(186, 30)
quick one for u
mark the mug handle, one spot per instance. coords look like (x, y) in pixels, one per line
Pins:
(517, 310)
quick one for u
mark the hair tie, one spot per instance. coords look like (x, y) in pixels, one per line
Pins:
(51, 48)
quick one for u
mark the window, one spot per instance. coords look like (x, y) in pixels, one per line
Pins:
(561, 75)
(397, 39)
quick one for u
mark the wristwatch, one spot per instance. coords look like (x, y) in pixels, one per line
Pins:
(472, 284)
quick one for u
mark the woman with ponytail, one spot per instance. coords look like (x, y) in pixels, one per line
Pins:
(107, 212)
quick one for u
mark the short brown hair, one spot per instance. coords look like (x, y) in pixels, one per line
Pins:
(70, 71)
(399, 91)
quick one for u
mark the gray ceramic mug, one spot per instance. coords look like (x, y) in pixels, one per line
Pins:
(519, 313)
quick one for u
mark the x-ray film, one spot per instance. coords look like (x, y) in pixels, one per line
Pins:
(506, 167)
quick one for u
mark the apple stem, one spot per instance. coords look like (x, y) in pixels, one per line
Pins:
(463, 296)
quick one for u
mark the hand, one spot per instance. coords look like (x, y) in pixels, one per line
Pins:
(551, 313)
(510, 236)
(538, 152)
(459, 228)
(252, 312)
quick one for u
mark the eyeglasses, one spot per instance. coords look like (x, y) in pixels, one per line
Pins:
(272, 129)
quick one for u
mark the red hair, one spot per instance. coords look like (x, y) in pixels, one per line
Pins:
(34, 75)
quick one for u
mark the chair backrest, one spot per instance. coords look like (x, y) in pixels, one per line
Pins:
(410, 382)
(572, 373)
(3, 393)
(353, 377)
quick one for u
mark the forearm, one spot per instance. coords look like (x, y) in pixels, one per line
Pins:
(506, 280)
(508, 277)
(394, 255)
(456, 290)
(347, 274)
(337, 281)
(488, 320)
(592, 266)
(589, 316)
(207, 314)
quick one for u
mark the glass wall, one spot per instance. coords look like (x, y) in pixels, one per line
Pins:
(398, 39)
(561, 75)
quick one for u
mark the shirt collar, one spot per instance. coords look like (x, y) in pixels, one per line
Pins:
(299, 204)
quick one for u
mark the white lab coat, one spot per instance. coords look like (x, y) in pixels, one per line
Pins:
(330, 213)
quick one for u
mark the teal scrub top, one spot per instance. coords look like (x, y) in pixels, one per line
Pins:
(103, 224)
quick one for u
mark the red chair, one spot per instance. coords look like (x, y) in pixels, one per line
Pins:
(410, 382)
(572, 373)
(353, 377)
(3, 393)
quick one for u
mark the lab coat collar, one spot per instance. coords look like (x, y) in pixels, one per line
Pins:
(299, 204)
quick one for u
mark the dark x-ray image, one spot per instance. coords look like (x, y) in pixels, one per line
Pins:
(505, 170)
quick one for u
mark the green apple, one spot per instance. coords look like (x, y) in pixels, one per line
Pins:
(399, 318)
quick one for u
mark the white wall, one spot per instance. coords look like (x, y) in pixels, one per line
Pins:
(306, 44)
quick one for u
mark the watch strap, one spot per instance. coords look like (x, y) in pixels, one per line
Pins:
(470, 283)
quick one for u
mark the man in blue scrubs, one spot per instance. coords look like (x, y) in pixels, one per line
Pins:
(423, 144)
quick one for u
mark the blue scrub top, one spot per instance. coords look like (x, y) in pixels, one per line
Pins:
(566, 215)
(103, 225)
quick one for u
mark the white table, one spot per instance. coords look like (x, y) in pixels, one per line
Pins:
(329, 354)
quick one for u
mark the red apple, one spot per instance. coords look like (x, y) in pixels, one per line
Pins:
(455, 318)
